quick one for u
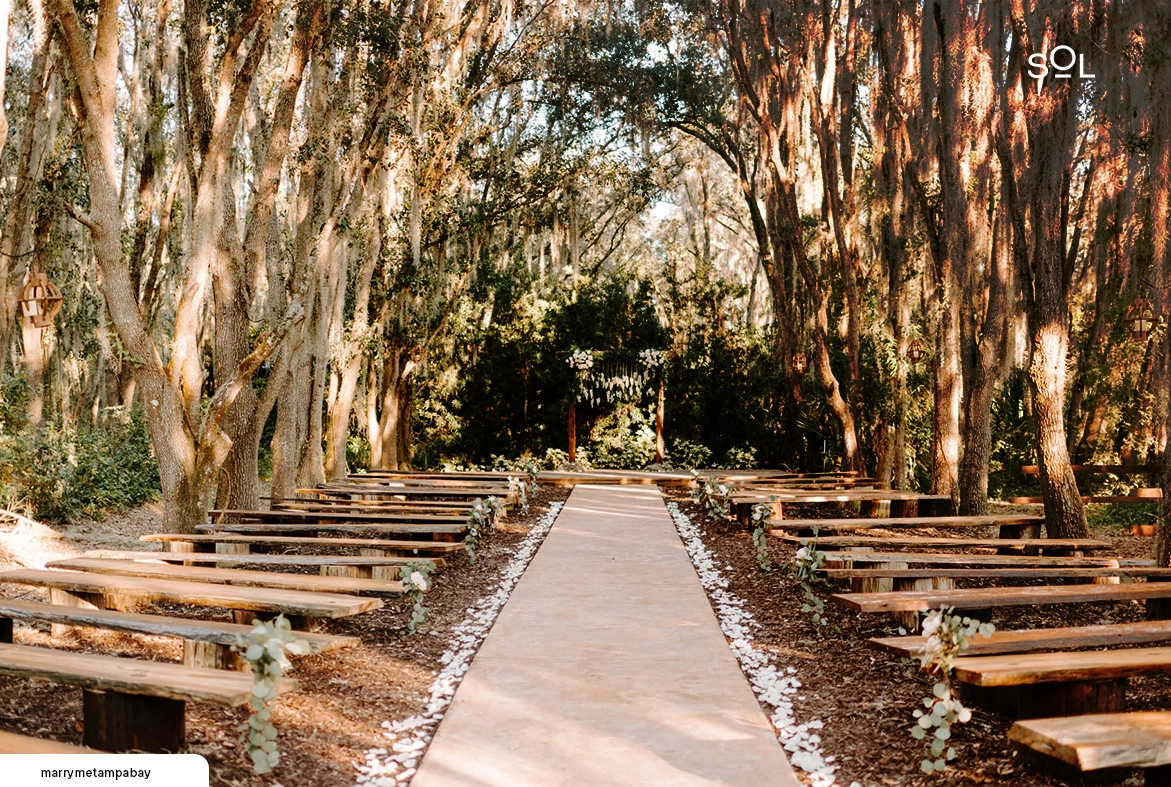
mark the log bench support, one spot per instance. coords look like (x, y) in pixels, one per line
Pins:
(246, 616)
(211, 655)
(125, 722)
(1045, 700)
(69, 598)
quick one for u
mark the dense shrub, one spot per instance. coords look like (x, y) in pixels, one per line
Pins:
(59, 473)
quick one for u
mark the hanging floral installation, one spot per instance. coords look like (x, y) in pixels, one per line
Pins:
(615, 376)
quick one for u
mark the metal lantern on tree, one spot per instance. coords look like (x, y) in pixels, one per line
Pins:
(799, 363)
(915, 351)
(40, 300)
(1140, 318)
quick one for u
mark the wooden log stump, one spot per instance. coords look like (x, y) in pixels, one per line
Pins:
(65, 598)
(904, 508)
(1051, 766)
(910, 620)
(1048, 700)
(385, 573)
(352, 572)
(211, 655)
(126, 722)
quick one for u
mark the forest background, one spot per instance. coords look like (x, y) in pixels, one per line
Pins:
(296, 240)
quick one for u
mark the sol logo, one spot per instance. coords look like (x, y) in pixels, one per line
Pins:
(1040, 64)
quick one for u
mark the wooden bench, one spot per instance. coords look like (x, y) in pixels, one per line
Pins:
(443, 507)
(11, 743)
(241, 543)
(266, 527)
(1110, 635)
(1060, 544)
(1105, 742)
(313, 583)
(1035, 470)
(360, 566)
(1063, 683)
(988, 598)
(329, 514)
(206, 643)
(1142, 495)
(76, 588)
(1073, 572)
(1012, 522)
(131, 704)
(843, 559)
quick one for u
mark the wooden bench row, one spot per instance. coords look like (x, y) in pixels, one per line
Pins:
(130, 704)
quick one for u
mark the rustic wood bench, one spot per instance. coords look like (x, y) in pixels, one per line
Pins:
(1072, 572)
(1142, 495)
(327, 514)
(988, 598)
(127, 703)
(265, 527)
(842, 559)
(444, 507)
(1062, 683)
(206, 643)
(1060, 544)
(1144, 632)
(437, 492)
(1012, 522)
(314, 583)
(12, 743)
(902, 503)
(360, 566)
(240, 543)
(1105, 742)
(78, 588)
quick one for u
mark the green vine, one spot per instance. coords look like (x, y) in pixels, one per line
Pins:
(711, 494)
(267, 654)
(806, 563)
(416, 579)
(481, 519)
(947, 635)
(761, 514)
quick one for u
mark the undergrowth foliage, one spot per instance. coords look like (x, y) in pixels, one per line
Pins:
(947, 635)
(267, 653)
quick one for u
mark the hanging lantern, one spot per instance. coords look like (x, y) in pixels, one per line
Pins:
(1140, 317)
(915, 351)
(40, 300)
(799, 363)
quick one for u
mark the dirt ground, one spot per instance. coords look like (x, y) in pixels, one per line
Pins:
(866, 698)
(343, 697)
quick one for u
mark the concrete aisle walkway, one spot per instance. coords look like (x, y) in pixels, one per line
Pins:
(607, 666)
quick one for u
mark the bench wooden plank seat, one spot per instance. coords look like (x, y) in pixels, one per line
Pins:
(129, 703)
(987, 598)
(1073, 572)
(206, 643)
(112, 592)
(1146, 495)
(12, 743)
(1020, 669)
(313, 583)
(331, 515)
(906, 522)
(1095, 742)
(276, 528)
(386, 490)
(1143, 632)
(956, 543)
(830, 496)
(261, 559)
(1062, 683)
(970, 559)
(375, 506)
(1100, 469)
(324, 542)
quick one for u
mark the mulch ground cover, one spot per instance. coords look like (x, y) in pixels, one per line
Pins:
(866, 698)
(343, 698)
